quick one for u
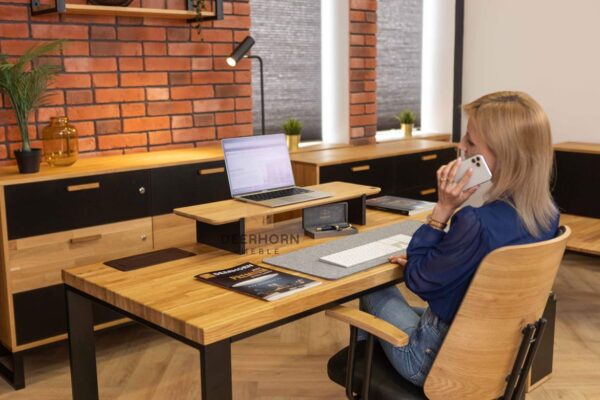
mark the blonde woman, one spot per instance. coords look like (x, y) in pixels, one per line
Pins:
(512, 132)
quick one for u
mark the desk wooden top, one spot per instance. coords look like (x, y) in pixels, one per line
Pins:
(169, 296)
(578, 147)
(369, 152)
(226, 211)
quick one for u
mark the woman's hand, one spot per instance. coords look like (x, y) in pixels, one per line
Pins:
(450, 193)
(400, 260)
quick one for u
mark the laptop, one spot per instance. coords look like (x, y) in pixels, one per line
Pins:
(259, 171)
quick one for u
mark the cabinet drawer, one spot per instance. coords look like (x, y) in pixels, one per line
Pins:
(61, 205)
(418, 170)
(427, 193)
(41, 313)
(187, 185)
(576, 189)
(378, 172)
(36, 262)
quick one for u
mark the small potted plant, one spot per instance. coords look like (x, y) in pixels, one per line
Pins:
(407, 120)
(25, 82)
(292, 128)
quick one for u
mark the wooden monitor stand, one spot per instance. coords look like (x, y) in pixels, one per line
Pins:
(222, 224)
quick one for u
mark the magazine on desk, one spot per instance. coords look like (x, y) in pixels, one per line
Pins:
(257, 281)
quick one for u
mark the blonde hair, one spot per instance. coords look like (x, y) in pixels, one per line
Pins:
(516, 129)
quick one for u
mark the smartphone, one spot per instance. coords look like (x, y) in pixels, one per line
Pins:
(481, 171)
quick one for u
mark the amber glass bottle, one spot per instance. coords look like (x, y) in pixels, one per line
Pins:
(60, 142)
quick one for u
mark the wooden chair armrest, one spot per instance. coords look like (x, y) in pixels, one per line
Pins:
(370, 323)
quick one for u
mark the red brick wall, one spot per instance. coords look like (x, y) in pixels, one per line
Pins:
(363, 85)
(133, 84)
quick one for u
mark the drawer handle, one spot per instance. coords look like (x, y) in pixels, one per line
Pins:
(359, 168)
(427, 191)
(83, 186)
(429, 157)
(84, 239)
(210, 171)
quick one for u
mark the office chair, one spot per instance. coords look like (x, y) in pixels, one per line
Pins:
(488, 350)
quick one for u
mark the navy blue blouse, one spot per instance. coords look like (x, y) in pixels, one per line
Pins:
(441, 265)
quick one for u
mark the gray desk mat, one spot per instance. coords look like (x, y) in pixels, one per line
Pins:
(307, 260)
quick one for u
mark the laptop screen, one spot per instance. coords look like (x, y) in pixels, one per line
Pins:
(256, 163)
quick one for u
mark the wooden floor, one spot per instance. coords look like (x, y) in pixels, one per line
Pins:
(290, 362)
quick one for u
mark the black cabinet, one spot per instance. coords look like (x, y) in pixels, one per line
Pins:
(576, 186)
(378, 172)
(187, 185)
(411, 175)
(53, 206)
(415, 173)
(41, 313)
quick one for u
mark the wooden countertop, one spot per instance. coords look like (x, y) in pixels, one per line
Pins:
(369, 152)
(111, 164)
(131, 162)
(226, 211)
(169, 296)
(578, 147)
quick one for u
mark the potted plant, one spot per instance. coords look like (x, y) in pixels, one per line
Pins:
(407, 119)
(292, 128)
(25, 82)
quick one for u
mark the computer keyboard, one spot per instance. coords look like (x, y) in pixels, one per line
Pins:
(275, 194)
(367, 252)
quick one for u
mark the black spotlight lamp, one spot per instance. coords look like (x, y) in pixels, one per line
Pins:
(241, 52)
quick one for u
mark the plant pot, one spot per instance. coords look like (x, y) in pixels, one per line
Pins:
(407, 128)
(292, 142)
(28, 161)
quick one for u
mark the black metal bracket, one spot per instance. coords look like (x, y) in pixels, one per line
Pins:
(357, 210)
(517, 380)
(14, 372)
(60, 7)
(219, 13)
(228, 237)
(38, 9)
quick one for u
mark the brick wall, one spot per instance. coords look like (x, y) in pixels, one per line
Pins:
(363, 85)
(133, 84)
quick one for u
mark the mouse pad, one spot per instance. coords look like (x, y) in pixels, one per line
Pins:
(148, 259)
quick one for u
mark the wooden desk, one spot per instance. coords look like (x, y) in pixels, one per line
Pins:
(576, 191)
(168, 298)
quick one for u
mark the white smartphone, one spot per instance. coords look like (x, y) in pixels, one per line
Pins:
(481, 171)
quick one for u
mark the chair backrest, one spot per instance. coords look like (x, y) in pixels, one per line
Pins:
(509, 291)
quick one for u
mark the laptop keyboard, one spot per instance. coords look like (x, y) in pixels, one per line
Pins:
(275, 194)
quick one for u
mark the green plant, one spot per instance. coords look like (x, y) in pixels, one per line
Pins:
(406, 117)
(292, 127)
(198, 7)
(26, 84)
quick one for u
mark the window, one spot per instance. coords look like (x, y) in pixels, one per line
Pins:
(399, 50)
(288, 39)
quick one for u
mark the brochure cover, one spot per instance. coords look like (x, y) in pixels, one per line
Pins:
(258, 281)
(400, 205)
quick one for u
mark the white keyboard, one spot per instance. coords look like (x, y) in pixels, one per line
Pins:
(367, 252)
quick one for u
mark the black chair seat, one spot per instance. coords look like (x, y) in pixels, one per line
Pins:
(386, 383)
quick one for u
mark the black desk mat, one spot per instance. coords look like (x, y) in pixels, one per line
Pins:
(148, 259)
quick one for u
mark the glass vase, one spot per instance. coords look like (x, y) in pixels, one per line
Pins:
(60, 142)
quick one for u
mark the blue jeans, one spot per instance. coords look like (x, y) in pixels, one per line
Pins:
(425, 330)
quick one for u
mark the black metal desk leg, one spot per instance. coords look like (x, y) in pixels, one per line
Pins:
(215, 371)
(82, 347)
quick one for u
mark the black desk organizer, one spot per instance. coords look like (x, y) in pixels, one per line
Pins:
(327, 214)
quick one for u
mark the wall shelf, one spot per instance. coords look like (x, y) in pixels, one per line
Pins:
(88, 9)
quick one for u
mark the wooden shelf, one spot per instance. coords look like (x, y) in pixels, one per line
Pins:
(87, 9)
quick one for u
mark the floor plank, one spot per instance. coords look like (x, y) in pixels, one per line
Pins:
(289, 363)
